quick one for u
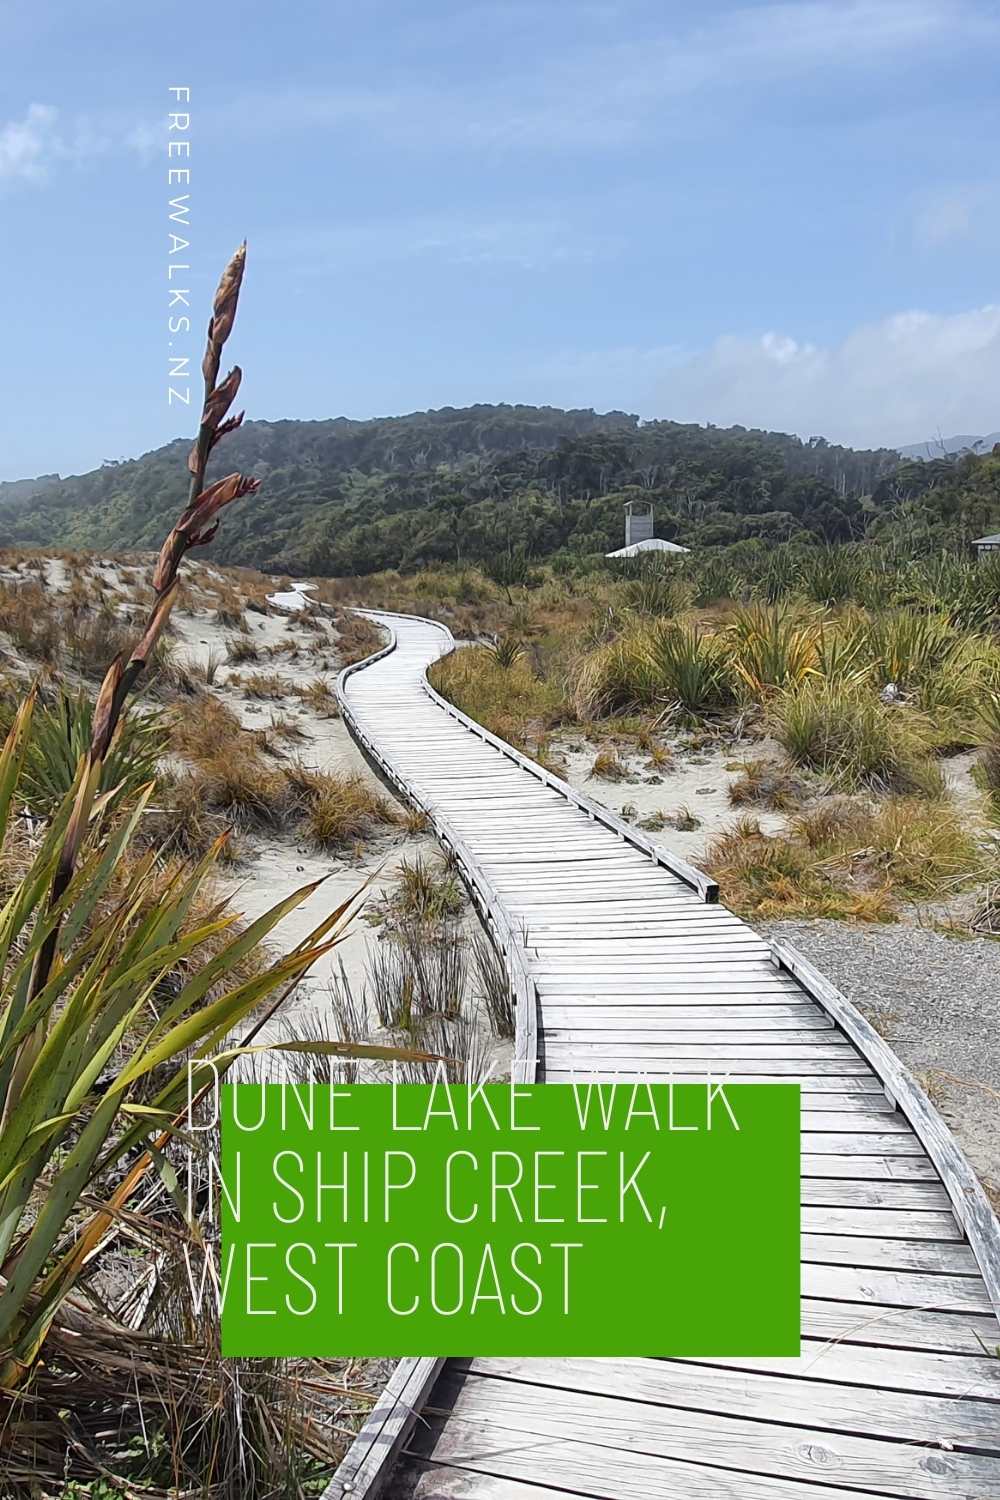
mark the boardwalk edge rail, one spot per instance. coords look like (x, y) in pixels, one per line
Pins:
(368, 1463)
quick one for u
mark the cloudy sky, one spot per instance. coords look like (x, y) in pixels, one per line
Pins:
(780, 214)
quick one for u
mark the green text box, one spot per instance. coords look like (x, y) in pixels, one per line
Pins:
(556, 1219)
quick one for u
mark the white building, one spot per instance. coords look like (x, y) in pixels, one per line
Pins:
(639, 533)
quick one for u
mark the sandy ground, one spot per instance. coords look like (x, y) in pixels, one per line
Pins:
(695, 780)
(277, 865)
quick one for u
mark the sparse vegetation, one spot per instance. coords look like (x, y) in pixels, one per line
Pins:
(767, 783)
(336, 810)
(848, 859)
(608, 767)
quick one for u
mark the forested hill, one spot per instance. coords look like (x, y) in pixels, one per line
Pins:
(344, 496)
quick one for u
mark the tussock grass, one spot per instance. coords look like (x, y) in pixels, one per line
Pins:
(357, 637)
(268, 685)
(205, 728)
(771, 647)
(513, 702)
(337, 810)
(847, 733)
(607, 766)
(426, 890)
(318, 696)
(767, 783)
(671, 665)
(240, 649)
(493, 986)
(847, 859)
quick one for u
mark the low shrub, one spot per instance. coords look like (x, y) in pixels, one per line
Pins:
(767, 783)
(847, 859)
(845, 731)
(337, 809)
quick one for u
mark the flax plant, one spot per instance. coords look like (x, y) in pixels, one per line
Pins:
(91, 1058)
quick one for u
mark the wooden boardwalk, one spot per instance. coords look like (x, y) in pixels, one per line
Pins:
(622, 962)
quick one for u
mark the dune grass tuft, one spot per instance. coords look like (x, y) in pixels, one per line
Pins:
(847, 859)
(847, 733)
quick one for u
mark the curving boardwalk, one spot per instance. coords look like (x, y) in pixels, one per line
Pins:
(621, 961)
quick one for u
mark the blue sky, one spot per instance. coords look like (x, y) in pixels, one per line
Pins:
(781, 214)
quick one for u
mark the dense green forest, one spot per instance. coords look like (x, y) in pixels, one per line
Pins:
(456, 485)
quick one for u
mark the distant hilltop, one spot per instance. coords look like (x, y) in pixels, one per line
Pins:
(23, 489)
(464, 484)
(942, 447)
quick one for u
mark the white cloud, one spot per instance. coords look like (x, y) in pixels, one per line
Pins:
(894, 382)
(28, 145)
(43, 139)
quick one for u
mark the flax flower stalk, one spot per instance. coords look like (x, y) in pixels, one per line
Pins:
(196, 526)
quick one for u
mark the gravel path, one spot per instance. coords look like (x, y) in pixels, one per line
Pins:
(936, 1000)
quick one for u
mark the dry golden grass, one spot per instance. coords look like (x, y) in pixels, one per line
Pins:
(513, 702)
(269, 685)
(607, 766)
(318, 696)
(240, 648)
(337, 810)
(848, 859)
(844, 731)
(357, 637)
(767, 783)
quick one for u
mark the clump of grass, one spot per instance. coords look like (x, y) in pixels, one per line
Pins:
(682, 819)
(514, 702)
(771, 648)
(417, 975)
(267, 685)
(318, 696)
(985, 920)
(829, 575)
(229, 611)
(427, 891)
(240, 785)
(208, 668)
(690, 669)
(284, 727)
(924, 849)
(241, 648)
(357, 637)
(494, 986)
(61, 732)
(505, 651)
(847, 733)
(765, 876)
(847, 859)
(908, 647)
(767, 783)
(617, 674)
(608, 767)
(676, 666)
(336, 810)
(205, 728)
(182, 822)
(657, 594)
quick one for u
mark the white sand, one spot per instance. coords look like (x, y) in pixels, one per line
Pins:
(697, 780)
